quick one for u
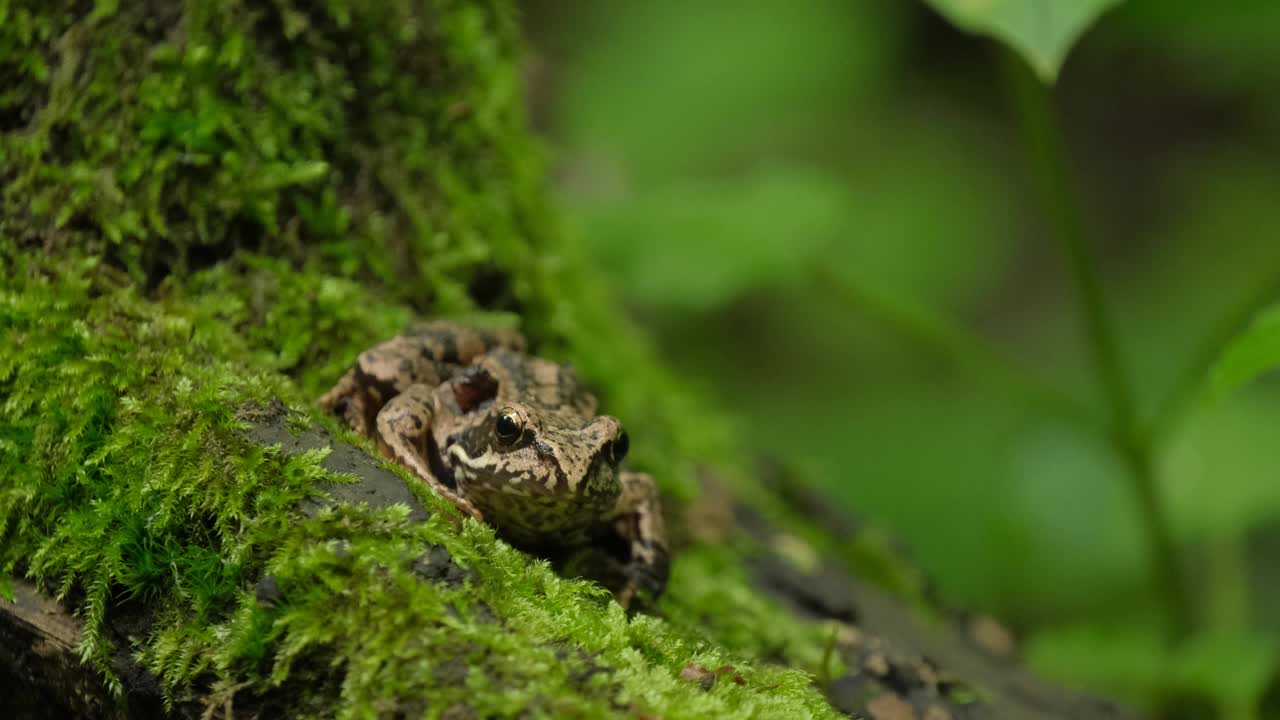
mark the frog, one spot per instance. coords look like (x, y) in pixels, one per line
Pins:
(509, 439)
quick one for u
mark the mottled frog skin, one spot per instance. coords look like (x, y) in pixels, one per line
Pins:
(510, 439)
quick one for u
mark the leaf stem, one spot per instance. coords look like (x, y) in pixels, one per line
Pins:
(1131, 440)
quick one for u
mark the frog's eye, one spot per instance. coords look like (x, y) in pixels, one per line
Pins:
(619, 446)
(508, 426)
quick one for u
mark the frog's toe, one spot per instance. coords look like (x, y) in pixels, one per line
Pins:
(345, 400)
(646, 579)
(330, 400)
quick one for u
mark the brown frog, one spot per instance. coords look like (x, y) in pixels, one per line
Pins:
(510, 439)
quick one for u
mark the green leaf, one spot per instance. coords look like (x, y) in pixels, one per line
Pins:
(1041, 30)
(1254, 352)
(6, 587)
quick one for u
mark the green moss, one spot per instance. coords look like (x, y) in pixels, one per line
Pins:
(125, 472)
(210, 207)
(161, 132)
(385, 145)
(708, 580)
(133, 482)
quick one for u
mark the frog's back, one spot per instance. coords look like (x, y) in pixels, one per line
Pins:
(548, 385)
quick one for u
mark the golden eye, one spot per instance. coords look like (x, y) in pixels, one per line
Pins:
(508, 426)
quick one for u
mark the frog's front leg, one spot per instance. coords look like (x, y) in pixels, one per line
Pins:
(638, 519)
(404, 436)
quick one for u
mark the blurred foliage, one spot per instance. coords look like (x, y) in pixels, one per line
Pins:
(732, 169)
(1250, 355)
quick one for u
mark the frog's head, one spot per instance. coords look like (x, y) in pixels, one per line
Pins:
(540, 448)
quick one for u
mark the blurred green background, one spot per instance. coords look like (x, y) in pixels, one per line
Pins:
(732, 166)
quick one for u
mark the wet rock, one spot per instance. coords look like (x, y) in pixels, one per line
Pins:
(849, 694)
(437, 565)
(378, 487)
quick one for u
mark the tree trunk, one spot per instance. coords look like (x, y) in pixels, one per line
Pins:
(209, 208)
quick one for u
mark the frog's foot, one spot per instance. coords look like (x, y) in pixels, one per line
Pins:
(348, 401)
(377, 376)
(637, 518)
(645, 579)
(404, 436)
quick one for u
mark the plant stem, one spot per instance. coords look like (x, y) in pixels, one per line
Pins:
(1133, 443)
(955, 344)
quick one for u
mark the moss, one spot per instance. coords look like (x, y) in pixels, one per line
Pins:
(162, 133)
(133, 481)
(385, 145)
(210, 207)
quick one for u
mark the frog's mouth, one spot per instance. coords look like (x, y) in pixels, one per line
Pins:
(488, 465)
(438, 467)
(461, 462)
